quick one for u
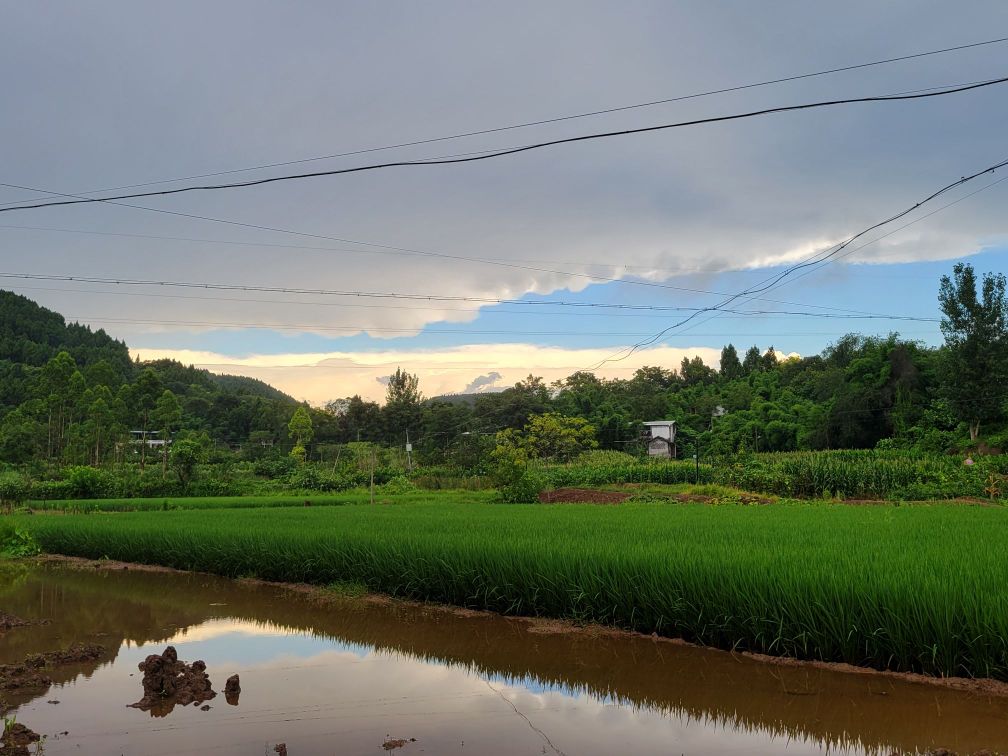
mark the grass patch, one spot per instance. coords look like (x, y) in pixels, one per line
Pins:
(908, 588)
(170, 503)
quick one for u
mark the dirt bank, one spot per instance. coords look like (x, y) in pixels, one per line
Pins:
(15, 740)
(31, 674)
(9, 622)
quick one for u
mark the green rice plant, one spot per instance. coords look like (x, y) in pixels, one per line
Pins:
(918, 589)
(163, 504)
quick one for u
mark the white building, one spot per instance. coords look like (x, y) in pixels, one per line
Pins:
(662, 434)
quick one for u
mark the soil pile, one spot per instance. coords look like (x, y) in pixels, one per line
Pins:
(168, 682)
(16, 739)
(232, 689)
(391, 744)
(583, 495)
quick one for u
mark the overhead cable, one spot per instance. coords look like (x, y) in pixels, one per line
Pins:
(509, 151)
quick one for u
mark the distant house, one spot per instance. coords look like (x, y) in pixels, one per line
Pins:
(661, 438)
(151, 438)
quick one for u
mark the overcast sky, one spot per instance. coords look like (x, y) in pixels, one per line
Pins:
(108, 94)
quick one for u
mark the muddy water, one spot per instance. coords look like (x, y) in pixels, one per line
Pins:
(347, 676)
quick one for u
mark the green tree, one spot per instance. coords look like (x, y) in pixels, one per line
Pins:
(731, 367)
(976, 344)
(300, 429)
(753, 360)
(557, 437)
(402, 406)
(694, 371)
(167, 415)
(186, 453)
(144, 396)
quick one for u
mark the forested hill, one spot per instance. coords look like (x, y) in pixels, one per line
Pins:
(32, 335)
(70, 393)
(243, 384)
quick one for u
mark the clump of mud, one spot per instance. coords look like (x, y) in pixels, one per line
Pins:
(232, 689)
(168, 682)
(15, 740)
(31, 673)
(391, 744)
(9, 622)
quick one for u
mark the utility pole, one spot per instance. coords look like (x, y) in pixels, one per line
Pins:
(409, 453)
(696, 458)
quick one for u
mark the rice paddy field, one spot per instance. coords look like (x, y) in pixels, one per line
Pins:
(167, 503)
(910, 588)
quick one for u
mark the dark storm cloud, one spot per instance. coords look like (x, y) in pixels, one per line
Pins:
(106, 94)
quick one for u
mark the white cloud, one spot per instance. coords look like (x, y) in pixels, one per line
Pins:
(319, 377)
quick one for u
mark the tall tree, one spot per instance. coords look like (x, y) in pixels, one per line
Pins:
(300, 429)
(976, 342)
(145, 395)
(167, 415)
(731, 367)
(753, 360)
(402, 406)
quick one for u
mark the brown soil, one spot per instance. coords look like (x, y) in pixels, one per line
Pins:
(31, 673)
(8, 621)
(232, 689)
(168, 682)
(391, 744)
(16, 739)
(984, 686)
(582, 495)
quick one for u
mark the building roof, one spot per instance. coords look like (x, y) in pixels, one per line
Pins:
(660, 422)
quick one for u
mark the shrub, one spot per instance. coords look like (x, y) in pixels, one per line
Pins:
(84, 482)
(15, 542)
(275, 467)
(50, 489)
(400, 484)
(523, 490)
(13, 489)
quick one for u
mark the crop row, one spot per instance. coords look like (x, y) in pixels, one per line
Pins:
(907, 588)
(857, 474)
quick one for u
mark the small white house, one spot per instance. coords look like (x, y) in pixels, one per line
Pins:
(662, 435)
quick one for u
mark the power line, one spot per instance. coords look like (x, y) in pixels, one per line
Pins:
(831, 254)
(559, 119)
(392, 295)
(510, 151)
(824, 261)
(475, 331)
(386, 249)
(286, 302)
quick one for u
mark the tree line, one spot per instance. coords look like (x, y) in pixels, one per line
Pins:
(70, 395)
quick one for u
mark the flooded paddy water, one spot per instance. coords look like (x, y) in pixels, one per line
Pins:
(362, 676)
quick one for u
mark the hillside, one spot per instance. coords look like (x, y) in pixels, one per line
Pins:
(72, 393)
